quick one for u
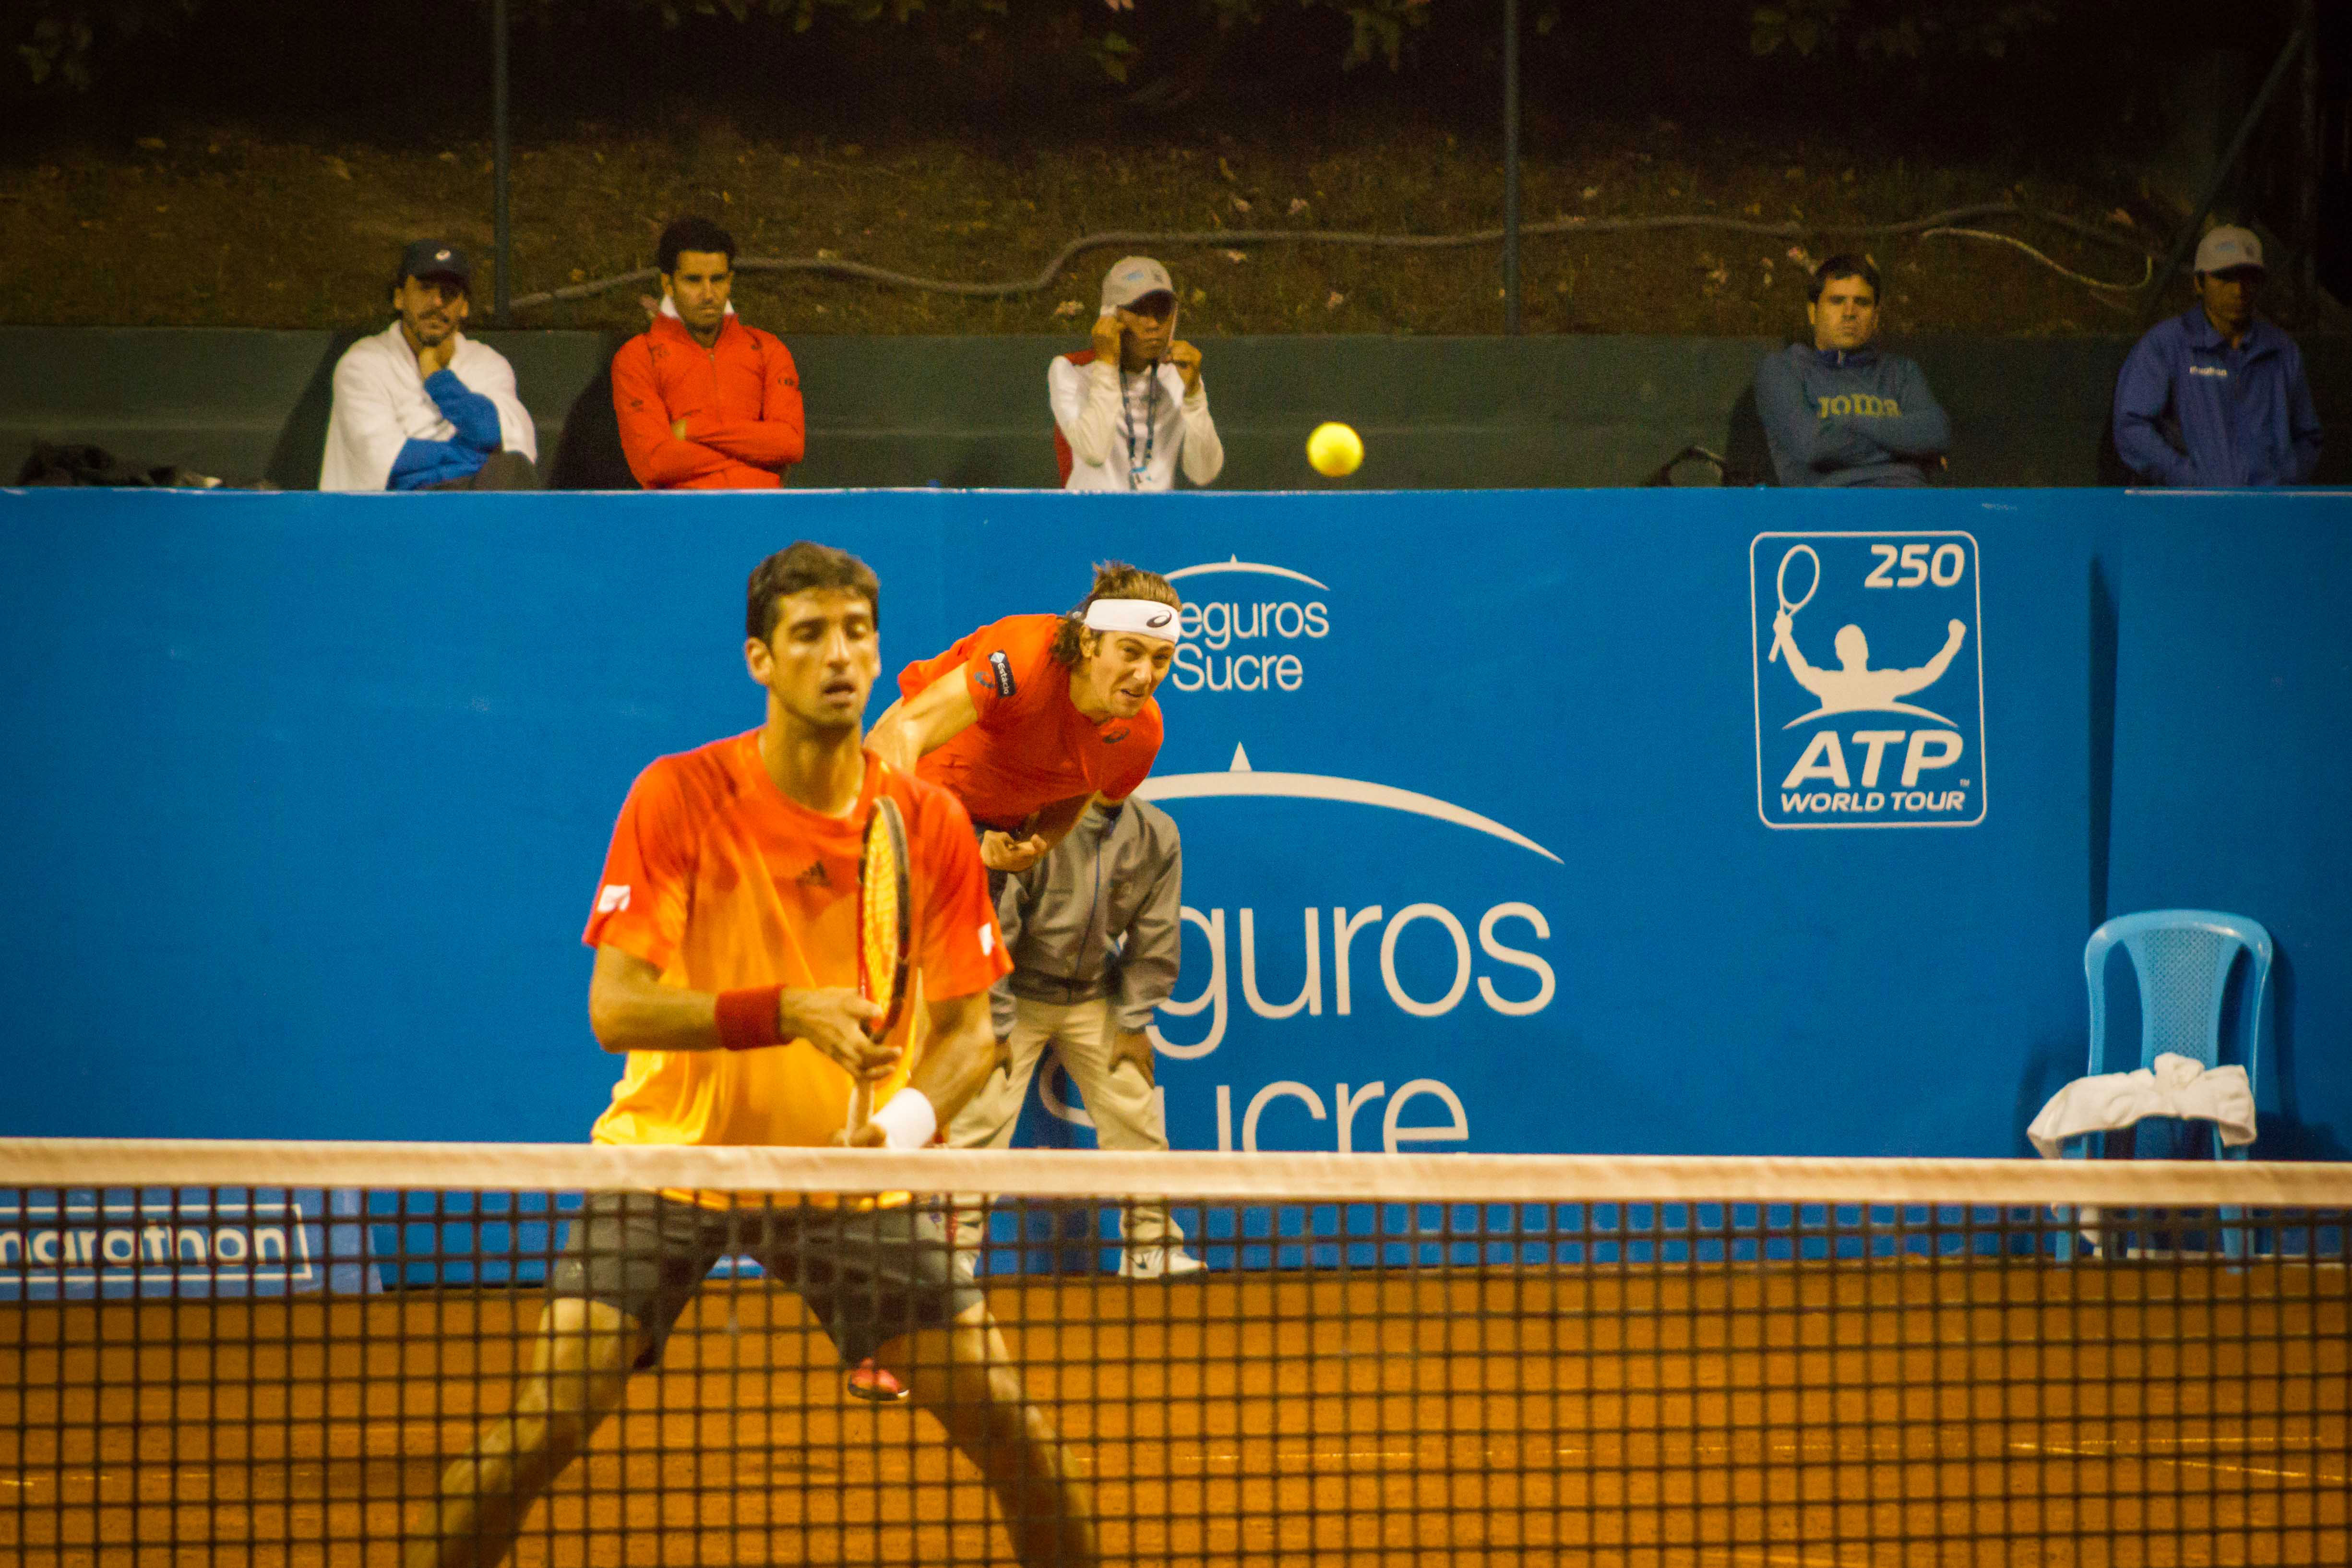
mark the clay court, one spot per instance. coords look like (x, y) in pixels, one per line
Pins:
(1921, 1412)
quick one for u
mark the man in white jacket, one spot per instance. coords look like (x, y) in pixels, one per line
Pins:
(1130, 410)
(420, 405)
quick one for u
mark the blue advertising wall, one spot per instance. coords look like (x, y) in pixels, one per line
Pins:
(308, 794)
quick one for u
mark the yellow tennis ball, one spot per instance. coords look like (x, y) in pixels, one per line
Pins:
(1335, 449)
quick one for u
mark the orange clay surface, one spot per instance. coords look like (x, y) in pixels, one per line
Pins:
(1954, 1413)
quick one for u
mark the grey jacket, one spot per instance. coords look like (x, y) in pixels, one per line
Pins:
(1102, 915)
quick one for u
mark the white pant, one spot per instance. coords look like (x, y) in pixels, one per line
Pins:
(1120, 1099)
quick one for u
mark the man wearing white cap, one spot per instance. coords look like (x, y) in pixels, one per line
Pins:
(2215, 398)
(1132, 410)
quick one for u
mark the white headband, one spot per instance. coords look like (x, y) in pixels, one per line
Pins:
(1144, 618)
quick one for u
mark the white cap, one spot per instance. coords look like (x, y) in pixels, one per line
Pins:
(1131, 277)
(2228, 246)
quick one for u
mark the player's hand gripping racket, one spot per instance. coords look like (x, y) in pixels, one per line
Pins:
(884, 910)
(1781, 588)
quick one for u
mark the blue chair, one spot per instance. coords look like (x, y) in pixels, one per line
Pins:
(2183, 959)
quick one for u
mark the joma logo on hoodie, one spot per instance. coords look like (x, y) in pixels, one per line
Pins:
(1860, 404)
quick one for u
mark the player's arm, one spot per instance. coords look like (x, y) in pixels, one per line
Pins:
(1048, 827)
(960, 1055)
(629, 1009)
(1051, 825)
(933, 717)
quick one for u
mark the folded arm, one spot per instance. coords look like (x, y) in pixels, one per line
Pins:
(474, 417)
(658, 458)
(420, 463)
(778, 437)
(1922, 430)
(1802, 443)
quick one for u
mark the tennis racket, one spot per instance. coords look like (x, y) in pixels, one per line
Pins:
(1781, 589)
(885, 908)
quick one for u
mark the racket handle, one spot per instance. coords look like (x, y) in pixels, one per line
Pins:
(861, 1107)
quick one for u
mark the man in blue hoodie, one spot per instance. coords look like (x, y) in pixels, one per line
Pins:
(1840, 412)
(2215, 398)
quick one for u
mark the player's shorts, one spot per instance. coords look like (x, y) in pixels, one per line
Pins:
(867, 1276)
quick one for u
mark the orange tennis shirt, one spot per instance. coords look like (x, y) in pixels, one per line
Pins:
(720, 881)
(1032, 746)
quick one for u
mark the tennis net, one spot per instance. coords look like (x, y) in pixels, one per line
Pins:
(230, 1353)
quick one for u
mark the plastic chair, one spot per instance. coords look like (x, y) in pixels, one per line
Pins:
(2183, 959)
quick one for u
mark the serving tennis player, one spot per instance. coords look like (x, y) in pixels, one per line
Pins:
(1031, 720)
(727, 932)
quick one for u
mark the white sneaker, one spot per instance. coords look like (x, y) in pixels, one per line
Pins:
(1159, 1263)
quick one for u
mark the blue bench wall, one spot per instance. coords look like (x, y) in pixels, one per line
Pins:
(309, 795)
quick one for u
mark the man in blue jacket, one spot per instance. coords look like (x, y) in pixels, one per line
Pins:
(2215, 398)
(1841, 411)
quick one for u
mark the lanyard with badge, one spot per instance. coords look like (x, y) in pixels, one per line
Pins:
(1139, 469)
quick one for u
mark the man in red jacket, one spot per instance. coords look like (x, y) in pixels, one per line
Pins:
(705, 402)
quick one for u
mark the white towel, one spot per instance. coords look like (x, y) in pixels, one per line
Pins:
(2177, 1085)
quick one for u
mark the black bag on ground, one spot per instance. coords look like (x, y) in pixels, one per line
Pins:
(78, 463)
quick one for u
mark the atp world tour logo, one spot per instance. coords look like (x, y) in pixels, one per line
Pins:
(1869, 679)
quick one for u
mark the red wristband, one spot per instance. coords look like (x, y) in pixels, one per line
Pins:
(747, 1018)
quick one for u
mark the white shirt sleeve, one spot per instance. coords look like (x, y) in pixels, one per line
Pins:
(1086, 406)
(1204, 454)
(363, 428)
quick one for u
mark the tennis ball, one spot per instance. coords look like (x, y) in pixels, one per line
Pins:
(1335, 449)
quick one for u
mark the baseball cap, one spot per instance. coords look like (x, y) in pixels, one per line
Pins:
(1131, 277)
(2226, 247)
(435, 259)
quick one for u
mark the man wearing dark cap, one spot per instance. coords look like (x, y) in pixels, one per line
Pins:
(2215, 398)
(420, 405)
(1130, 410)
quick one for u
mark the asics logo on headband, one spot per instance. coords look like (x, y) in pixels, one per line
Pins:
(1144, 618)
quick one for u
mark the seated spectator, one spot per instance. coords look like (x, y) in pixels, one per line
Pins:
(1842, 412)
(2215, 398)
(422, 407)
(1129, 409)
(704, 403)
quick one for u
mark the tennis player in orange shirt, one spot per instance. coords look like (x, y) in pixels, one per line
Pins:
(1030, 721)
(725, 930)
